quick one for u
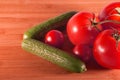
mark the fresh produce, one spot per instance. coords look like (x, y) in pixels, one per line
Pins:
(41, 29)
(83, 52)
(54, 55)
(82, 34)
(107, 49)
(82, 28)
(111, 13)
(54, 38)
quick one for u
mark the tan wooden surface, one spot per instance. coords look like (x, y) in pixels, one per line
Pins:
(16, 16)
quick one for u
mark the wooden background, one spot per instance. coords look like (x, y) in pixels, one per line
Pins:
(16, 16)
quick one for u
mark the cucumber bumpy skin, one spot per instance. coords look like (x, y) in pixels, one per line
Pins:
(39, 30)
(47, 52)
(53, 55)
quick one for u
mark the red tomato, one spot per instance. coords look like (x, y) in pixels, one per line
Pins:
(54, 38)
(83, 52)
(107, 49)
(81, 28)
(111, 12)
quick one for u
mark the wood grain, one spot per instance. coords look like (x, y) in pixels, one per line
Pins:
(16, 16)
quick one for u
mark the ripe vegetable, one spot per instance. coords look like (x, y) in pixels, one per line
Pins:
(54, 38)
(54, 55)
(107, 49)
(111, 12)
(82, 28)
(40, 30)
(83, 52)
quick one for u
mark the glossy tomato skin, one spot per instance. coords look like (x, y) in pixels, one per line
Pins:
(80, 29)
(106, 52)
(54, 38)
(110, 13)
(83, 52)
(114, 17)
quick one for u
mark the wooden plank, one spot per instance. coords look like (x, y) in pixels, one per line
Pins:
(16, 16)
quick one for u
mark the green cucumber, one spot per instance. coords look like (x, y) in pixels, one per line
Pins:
(53, 55)
(38, 31)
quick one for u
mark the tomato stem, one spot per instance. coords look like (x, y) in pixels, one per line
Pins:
(116, 35)
(107, 21)
(94, 23)
(102, 22)
(97, 28)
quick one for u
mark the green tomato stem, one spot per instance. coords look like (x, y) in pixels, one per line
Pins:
(116, 35)
(107, 21)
